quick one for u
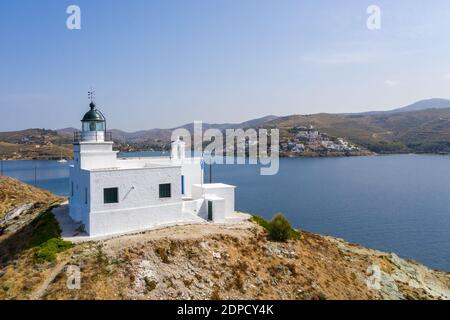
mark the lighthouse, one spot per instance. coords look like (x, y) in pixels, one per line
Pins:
(93, 145)
(111, 195)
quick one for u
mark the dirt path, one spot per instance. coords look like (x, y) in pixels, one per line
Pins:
(39, 292)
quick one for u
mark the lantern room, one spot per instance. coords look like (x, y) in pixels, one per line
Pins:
(93, 125)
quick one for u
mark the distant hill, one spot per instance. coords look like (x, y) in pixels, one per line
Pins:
(34, 144)
(424, 105)
(423, 126)
(67, 131)
(163, 135)
(24, 135)
(425, 131)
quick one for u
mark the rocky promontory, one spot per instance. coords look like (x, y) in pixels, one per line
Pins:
(204, 261)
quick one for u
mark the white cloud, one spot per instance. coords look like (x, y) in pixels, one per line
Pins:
(391, 83)
(447, 76)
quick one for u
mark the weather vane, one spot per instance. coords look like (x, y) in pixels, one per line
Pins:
(91, 95)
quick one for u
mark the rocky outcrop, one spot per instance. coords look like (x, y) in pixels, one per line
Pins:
(238, 262)
(396, 278)
(204, 261)
(20, 203)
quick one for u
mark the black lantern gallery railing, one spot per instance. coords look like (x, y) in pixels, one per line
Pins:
(95, 135)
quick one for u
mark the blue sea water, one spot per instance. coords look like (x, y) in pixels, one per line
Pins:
(395, 203)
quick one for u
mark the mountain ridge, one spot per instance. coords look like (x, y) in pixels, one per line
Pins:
(421, 127)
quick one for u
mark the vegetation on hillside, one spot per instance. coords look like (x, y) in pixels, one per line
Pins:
(27, 223)
(45, 238)
(278, 229)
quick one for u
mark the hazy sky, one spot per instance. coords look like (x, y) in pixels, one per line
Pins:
(162, 63)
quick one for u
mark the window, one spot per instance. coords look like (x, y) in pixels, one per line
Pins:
(164, 190)
(71, 188)
(94, 126)
(111, 195)
(85, 196)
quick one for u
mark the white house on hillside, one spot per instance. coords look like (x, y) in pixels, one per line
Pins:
(110, 195)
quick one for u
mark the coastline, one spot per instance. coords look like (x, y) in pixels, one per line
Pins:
(282, 155)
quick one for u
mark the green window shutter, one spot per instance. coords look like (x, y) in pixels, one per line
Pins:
(111, 195)
(164, 190)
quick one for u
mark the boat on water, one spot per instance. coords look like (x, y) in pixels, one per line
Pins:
(61, 159)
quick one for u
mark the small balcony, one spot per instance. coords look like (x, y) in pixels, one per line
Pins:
(97, 136)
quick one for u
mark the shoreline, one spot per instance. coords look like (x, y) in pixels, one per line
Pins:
(282, 155)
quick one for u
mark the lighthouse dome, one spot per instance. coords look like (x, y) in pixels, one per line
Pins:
(93, 114)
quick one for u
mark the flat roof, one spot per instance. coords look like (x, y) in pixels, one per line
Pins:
(214, 185)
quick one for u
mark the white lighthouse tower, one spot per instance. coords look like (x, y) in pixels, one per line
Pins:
(93, 149)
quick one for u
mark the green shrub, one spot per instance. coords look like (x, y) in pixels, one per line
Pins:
(279, 228)
(48, 250)
(261, 221)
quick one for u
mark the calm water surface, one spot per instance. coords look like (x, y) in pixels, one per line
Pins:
(393, 203)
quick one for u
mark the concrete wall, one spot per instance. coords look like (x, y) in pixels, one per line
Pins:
(222, 196)
(139, 204)
(218, 206)
(79, 205)
(96, 167)
(94, 155)
(135, 219)
(192, 173)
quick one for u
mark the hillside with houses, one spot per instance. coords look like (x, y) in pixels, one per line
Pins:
(309, 141)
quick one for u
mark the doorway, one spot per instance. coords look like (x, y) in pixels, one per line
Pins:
(210, 210)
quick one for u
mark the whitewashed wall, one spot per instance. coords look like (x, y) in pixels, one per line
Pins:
(78, 206)
(93, 155)
(214, 192)
(139, 204)
(192, 172)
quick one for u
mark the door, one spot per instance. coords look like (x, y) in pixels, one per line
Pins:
(182, 184)
(210, 210)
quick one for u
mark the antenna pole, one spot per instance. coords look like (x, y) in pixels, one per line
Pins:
(210, 172)
(91, 95)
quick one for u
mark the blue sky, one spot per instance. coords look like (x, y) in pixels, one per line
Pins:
(162, 63)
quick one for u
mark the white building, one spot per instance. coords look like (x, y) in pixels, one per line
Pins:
(109, 195)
